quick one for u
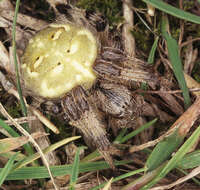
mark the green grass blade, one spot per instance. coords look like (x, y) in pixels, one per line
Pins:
(190, 161)
(6, 170)
(41, 172)
(163, 151)
(9, 129)
(9, 154)
(176, 158)
(23, 106)
(35, 156)
(13, 133)
(175, 60)
(120, 177)
(153, 51)
(27, 147)
(120, 136)
(91, 156)
(75, 170)
(137, 131)
(159, 4)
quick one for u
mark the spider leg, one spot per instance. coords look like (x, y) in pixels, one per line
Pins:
(113, 99)
(124, 75)
(117, 101)
(84, 115)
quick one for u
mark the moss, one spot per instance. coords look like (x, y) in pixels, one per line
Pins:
(196, 72)
(14, 110)
(111, 9)
(143, 38)
(188, 4)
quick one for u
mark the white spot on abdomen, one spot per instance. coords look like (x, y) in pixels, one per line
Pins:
(78, 78)
(32, 74)
(57, 35)
(74, 47)
(38, 62)
(65, 26)
(81, 69)
(57, 70)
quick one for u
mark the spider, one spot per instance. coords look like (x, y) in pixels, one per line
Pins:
(74, 63)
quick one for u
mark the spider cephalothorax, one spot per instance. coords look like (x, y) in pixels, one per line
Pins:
(68, 63)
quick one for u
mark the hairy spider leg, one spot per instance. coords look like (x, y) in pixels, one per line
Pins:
(84, 115)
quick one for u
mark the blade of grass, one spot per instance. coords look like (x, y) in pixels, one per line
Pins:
(186, 173)
(42, 172)
(148, 176)
(23, 106)
(7, 155)
(6, 170)
(27, 147)
(190, 161)
(108, 184)
(13, 133)
(163, 151)
(91, 156)
(176, 158)
(35, 156)
(175, 60)
(120, 177)
(120, 136)
(153, 51)
(143, 180)
(9, 129)
(159, 4)
(9, 144)
(75, 171)
(135, 132)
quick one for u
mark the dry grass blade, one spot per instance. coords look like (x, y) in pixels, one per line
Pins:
(44, 120)
(8, 144)
(187, 119)
(192, 174)
(21, 120)
(129, 40)
(191, 83)
(23, 131)
(108, 185)
(4, 56)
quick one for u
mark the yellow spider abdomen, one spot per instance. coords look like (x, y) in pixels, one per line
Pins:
(58, 58)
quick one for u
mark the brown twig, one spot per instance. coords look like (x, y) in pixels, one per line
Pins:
(129, 40)
(21, 120)
(188, 42)
(192, 174)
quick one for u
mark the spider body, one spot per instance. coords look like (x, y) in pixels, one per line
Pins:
(107, 70)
